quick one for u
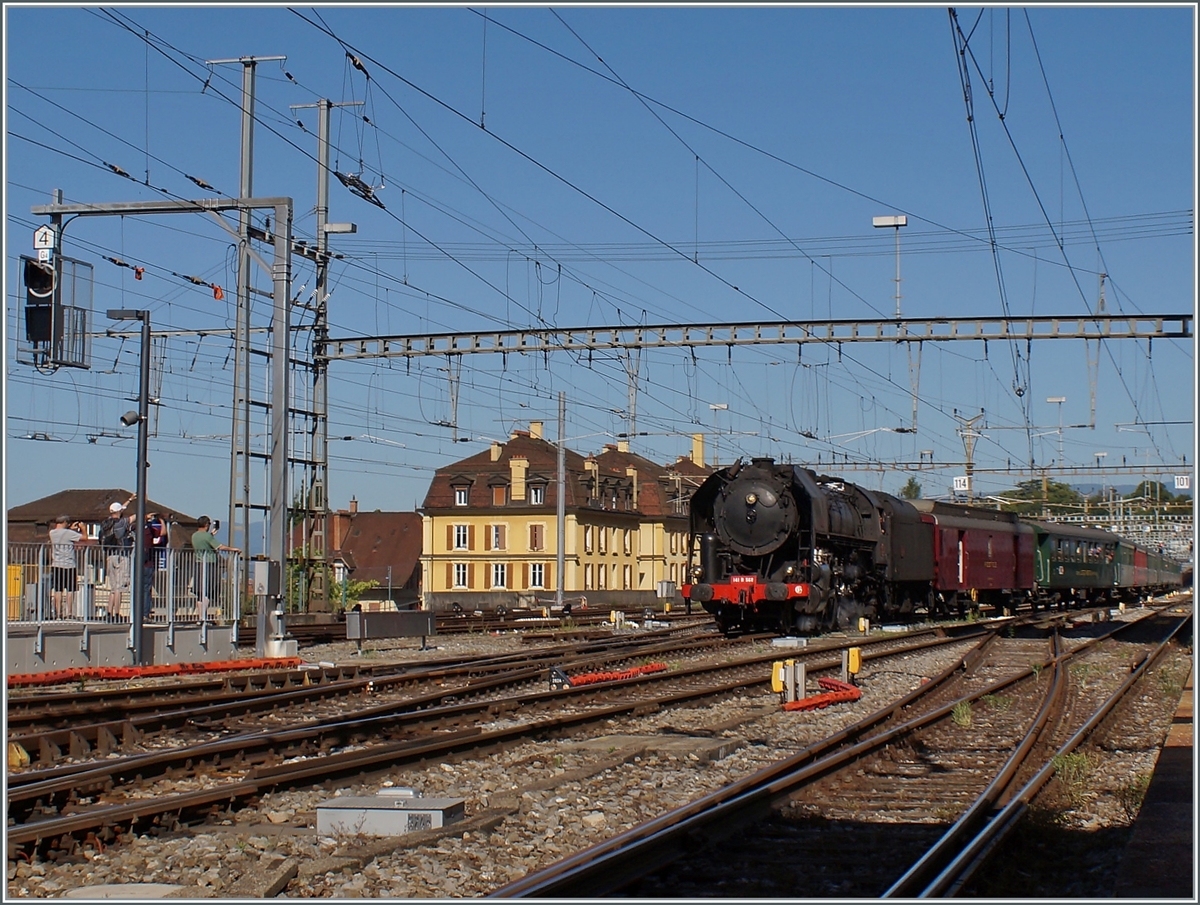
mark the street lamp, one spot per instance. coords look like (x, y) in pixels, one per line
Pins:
(1058, 400)
(895, 222)
(140, 417)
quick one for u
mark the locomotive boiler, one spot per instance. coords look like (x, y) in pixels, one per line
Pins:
(781, 548)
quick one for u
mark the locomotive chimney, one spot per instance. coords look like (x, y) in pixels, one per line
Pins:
(698, 449)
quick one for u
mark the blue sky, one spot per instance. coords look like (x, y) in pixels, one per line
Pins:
(737, 184)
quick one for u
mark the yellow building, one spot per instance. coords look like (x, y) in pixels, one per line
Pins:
(490, 532)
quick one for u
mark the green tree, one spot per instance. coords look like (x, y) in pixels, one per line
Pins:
(342, 594)
(1031, 498)
(1150, 495)
(911, 489)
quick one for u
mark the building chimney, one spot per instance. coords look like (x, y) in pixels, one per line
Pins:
(592, 467)
(623, 446)
(497, 448)
(353, 504)
(518, 466)
(631, 473)
(535, 430)
(698, 449)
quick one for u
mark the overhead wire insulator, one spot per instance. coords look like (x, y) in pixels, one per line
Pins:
(357, 64)
(200, 182)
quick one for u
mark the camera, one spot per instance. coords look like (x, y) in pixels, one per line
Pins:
(216, 525)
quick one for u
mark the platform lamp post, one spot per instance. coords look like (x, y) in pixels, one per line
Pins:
(717, 407)
(1058, 400)
(140, 418)
(894, 222)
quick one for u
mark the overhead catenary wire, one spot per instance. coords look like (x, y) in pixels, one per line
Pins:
(356, 270)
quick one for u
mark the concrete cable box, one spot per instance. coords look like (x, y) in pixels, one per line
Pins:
(386, 815)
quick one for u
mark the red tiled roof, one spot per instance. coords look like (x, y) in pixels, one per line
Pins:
(375, 541)
(656, 484)
(479, 469)
(479, 472)
(29, 522)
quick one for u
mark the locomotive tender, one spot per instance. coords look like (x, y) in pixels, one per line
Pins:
(781, 548)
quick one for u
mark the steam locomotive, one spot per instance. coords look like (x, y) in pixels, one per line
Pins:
(781, 548)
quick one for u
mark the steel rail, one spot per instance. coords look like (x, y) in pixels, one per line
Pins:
(80, 738)
(324, 766)
(614, 863)
(956, 874)
(611, 864)
(968, 826)
(55, 780)
(434, 706)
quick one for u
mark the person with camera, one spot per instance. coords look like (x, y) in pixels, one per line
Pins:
(207, 550)
(156, 539)
(116, 540)
(63, 569)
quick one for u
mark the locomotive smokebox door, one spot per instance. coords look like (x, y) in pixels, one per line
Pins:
(754, 514)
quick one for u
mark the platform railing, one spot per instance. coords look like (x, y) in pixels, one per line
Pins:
(184, 590)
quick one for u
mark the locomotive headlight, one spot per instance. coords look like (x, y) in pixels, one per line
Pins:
(789, 571)
(697, 571)
(751, 499)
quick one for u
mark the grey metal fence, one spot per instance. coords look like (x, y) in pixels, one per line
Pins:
(99, 586)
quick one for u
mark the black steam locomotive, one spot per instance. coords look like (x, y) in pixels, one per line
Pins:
(781, 548)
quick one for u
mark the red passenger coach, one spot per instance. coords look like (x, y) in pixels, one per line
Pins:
(982, 553)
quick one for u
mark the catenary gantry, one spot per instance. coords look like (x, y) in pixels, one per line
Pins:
(666, 336)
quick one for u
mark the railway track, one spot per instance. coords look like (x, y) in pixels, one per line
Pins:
(904, 803)
(54, 728)
(466, 622)
(64, 803)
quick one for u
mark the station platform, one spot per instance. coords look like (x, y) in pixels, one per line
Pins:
(1159, 861)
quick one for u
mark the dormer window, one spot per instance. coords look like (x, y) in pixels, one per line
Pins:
(499, 495)
(460, 496)
(537, 495)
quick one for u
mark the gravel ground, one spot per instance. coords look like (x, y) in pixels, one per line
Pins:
(526, 807)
